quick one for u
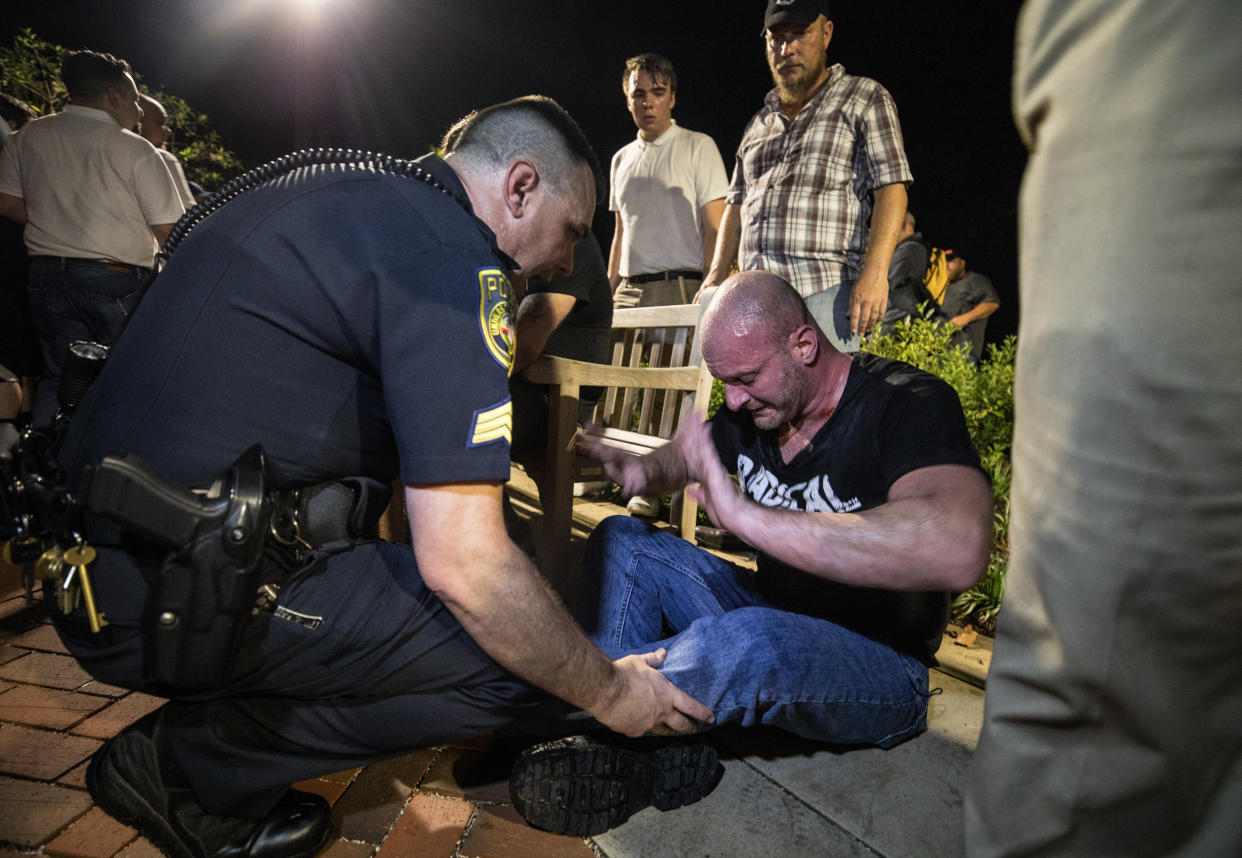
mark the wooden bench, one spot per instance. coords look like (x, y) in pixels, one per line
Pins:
(655, 377)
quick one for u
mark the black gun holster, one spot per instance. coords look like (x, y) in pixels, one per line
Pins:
(203, 592)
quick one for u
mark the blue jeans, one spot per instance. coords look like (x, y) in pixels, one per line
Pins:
(750, 662)
(830, 307)
(76, 300)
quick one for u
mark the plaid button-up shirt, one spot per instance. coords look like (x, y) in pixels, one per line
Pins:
(804, 184)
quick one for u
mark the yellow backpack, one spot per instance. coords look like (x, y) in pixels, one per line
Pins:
(935, 278)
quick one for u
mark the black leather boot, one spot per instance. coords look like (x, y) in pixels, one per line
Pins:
(137, 784)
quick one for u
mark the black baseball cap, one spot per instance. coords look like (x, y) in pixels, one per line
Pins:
(794, 12)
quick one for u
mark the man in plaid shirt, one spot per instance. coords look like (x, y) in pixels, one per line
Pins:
(821, 159)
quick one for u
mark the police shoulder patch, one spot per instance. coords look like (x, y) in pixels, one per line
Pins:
(496, 315)
(492, 424)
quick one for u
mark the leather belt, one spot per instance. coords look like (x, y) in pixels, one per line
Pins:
(110, 265)
(665, 275)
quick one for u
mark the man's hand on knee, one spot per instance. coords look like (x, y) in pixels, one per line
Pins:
(645, 702)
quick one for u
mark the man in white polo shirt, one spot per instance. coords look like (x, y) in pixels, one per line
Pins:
(96, 201)
(154, 129)
(667, 188)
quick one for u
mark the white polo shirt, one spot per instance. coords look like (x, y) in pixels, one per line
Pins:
(178, 176)
(92, 189)
(659, 188)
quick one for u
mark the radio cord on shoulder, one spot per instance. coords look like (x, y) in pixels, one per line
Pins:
(347, 158)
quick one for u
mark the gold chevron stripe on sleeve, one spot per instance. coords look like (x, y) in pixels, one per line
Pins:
(493, 424)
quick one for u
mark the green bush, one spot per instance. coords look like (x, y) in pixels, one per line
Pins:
(986, 392)
(32, 72)
(716, 400)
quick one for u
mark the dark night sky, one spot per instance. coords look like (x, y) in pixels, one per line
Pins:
(392, 75)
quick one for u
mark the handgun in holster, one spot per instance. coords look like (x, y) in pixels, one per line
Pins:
(202, 594)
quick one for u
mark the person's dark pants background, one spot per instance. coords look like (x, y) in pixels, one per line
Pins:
(77, 300)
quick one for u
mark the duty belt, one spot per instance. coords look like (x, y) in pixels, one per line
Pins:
(227, 551)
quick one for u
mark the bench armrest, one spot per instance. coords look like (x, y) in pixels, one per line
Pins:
(557, 370)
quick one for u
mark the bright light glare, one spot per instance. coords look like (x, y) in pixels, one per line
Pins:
(311, 10)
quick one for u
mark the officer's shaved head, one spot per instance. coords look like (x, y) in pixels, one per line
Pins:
(534, 128)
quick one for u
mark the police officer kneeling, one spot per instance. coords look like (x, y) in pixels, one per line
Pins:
(354, 322)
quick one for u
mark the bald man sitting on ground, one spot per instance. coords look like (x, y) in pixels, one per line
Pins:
(859, 487)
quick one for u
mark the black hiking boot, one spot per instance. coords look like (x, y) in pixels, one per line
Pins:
(585, 785)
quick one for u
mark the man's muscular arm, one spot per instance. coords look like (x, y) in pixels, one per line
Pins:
(869, 295)
(933, 533)
(467, 560)
(728, 239)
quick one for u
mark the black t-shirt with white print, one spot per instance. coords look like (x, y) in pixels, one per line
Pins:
(892, 419)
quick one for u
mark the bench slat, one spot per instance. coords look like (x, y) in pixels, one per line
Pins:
(555, 370)
(670, 316)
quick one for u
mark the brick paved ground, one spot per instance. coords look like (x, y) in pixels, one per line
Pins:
(53, 716)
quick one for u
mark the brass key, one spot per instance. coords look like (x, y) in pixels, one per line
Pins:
(69, 594)
(79, 557)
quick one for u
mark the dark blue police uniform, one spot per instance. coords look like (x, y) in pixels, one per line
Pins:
(353, 323)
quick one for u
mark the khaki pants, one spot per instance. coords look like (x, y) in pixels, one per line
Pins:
(1113, 720)
(656, 293)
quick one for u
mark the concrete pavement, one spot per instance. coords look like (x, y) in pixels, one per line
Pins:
(783, 796)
